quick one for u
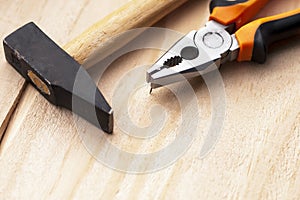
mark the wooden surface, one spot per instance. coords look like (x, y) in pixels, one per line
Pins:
(256, 157)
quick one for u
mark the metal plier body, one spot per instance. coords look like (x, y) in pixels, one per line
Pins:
(227, 36)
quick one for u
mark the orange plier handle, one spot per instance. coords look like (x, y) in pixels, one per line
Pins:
(254, 37)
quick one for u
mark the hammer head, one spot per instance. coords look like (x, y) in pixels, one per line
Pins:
(56, 75)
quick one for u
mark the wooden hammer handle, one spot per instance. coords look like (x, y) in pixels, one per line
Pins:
(134, 14)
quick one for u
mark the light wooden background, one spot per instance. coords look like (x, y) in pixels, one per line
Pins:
(257, 156)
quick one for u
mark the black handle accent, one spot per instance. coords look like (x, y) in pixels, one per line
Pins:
(273, 31)
(222, 3)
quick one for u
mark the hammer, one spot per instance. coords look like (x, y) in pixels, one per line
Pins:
(53, 72)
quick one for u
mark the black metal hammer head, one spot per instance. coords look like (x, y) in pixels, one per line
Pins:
(56, 75)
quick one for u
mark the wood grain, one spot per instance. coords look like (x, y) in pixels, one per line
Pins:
(257, 156)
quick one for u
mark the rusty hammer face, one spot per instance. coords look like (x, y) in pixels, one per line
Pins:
(54, 73)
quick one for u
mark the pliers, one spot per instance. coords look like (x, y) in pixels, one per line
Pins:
(227, 36)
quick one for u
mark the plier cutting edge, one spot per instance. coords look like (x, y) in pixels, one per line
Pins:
(227, 36)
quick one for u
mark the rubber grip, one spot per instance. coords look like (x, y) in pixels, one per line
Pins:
(222, 3)
(255, 37)
(237, 12)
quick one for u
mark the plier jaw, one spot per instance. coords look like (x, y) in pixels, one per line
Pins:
(197, 53)
(173, 65)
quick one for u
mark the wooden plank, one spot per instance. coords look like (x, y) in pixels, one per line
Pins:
(257, 156)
